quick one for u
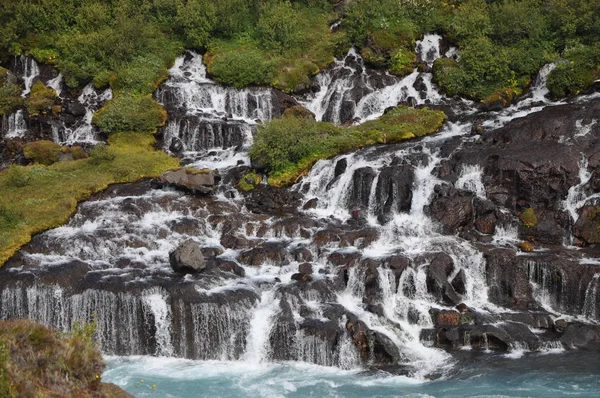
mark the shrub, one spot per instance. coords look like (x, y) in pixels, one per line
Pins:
(249, 181)
(243, 67)
(17, 176)
(10, 97)
(403, 62)
(101, 153)
(130, 113)
(78, 152)
(277, 26)
(40, 100)
(43, 152)
(288, 147)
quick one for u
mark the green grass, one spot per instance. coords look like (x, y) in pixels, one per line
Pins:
(289, 146)
(37, 198)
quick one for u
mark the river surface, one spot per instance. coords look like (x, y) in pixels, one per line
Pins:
(572, 374)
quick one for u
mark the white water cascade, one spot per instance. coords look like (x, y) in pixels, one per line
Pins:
(382, 268)
(209, 117)
(82, 131)
(14, 125)
(29, 71)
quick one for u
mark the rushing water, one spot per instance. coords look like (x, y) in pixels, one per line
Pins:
(258, 332)
(574, 374)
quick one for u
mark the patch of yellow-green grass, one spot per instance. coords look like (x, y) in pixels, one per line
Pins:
(44, 197)
(288, 147)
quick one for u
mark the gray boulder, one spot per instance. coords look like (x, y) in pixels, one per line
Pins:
(187, 257)
(194, 181)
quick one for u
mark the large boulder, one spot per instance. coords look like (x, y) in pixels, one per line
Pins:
(187, 257)
(190, 180)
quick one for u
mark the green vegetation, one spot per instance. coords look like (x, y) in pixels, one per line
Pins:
(37, 197)
(38, 362)
(130, 113)
(42, 152)
(249, 181)
(129, 44)
(289, 146)
(528, 218)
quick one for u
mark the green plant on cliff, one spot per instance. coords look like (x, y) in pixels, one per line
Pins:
(130, 113)
(289, 146)
(38, 362)
(40, 100)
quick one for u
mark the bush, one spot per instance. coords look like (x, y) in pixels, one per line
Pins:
(101, 153)
(277, 26)
(10, 97)
(17, 176)
(288, 147)
(130, 113)
(242, 67)
(40, 100)
(43, 152)
(403, 62)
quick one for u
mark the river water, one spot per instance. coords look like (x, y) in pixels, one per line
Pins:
(571, 374)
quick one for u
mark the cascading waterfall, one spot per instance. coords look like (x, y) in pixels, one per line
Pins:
(14, 125)
(346, 315)
(83, 131)
(347, 93)
(210, 117)
(591, 308)
(29, 72)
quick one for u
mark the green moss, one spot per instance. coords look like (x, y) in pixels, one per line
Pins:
(42, 152)
(528, 218)
(288, 147)
(373, 58)
(249, 181)
(10, 97)
(403, 62)
(52, 192)
(505, 96)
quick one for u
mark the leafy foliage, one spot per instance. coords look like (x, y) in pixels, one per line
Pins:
(130, 113)
(289, 146)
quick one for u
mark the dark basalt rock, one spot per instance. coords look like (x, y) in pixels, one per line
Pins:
(587, 227)
(452, 208)
(267, 253)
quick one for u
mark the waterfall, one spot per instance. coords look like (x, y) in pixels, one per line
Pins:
(29, 72)
(577, 197)
(591, 307)
(56, 84)
(83, 131)
(14, 125)
(156, 302)
(348, 93)
(470, 179)
(209, 123)
(261, 324)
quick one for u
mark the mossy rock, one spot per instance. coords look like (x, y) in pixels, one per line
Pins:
(503, 97)
(403, 62)
(529, 218)
(42, 152)
(249, 181)
(298, 111)
(374, 58)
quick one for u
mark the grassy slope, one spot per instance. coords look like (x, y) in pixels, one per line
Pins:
(51, 195)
